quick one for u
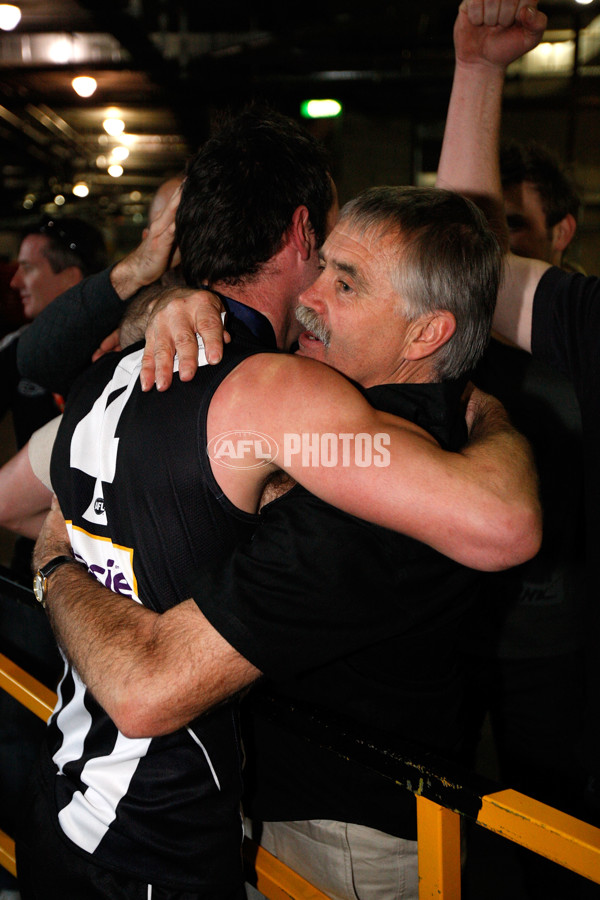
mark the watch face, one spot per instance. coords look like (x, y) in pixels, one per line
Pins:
(38, 587)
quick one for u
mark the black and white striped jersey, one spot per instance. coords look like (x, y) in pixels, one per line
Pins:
(144, 512)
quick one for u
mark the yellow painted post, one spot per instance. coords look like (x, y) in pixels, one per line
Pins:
(7, 853)
(26, 689)
(274, 879)
(554, 834)
(438, 832)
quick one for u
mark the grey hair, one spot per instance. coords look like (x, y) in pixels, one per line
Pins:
(448, 259)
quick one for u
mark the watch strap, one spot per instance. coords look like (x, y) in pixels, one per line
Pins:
(40, 583)
(54, 564)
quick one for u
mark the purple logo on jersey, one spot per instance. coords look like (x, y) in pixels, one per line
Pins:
(111, 578)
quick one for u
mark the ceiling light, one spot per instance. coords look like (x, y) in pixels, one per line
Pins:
(60, 51)
(10, 16)
(115, 171)
(84, 85)
(59, 200)
(114, 127)
(81, 189)
(583, 2)
(119, 153)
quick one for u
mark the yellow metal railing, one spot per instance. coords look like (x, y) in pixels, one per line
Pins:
(442, 799)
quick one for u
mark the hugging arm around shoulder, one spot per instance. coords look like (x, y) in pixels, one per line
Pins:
(59, 343)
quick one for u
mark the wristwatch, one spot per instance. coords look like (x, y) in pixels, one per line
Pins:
(41, 576)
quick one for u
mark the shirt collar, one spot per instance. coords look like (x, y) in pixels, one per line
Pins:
(255, 322)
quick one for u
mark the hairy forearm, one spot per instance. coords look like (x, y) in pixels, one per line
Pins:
(154, 255)
(126, 278)
(152, 673)
(100, 633)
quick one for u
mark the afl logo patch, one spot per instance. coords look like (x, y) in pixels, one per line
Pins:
(99, 506)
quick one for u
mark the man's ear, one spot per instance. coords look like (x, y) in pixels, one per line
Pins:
(300, 233)
(429, 333)
(563, 233)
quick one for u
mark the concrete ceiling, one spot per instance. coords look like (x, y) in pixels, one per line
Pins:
(169, 65)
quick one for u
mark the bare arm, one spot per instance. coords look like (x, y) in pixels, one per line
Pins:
(488, 36)
(152, 673)
(24, 500)
(472, 506)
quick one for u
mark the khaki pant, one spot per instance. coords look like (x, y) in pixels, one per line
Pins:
(345, 861)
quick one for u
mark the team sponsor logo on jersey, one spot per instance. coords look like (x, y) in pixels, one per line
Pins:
(111, 564)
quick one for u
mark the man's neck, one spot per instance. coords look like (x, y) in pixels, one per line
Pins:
(407, 372)
(260, 296)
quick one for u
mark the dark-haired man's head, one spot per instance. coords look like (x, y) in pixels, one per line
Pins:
(53, 257)
(540, 201)
(241, 193)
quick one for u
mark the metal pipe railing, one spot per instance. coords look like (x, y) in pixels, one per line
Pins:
(444, 793)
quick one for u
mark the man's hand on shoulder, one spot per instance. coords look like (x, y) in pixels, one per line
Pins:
(494, 33)
(179, 315)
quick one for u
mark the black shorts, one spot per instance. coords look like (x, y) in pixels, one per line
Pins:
(48, 867)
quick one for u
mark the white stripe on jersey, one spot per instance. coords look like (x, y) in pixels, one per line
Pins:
(195, 737)
(74, 722)
(87, 818)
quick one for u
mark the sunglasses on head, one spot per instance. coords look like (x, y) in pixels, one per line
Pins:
(52, 228)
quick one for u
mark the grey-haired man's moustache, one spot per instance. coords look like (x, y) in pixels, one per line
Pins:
(309, 318)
